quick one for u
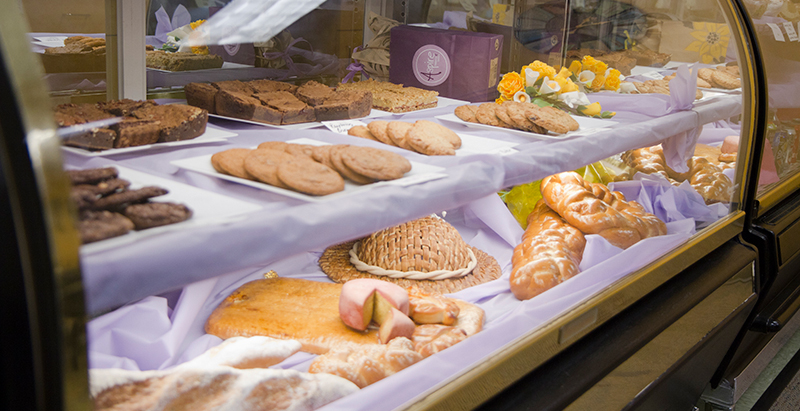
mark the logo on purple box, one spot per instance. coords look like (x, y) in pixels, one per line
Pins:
(431, 65)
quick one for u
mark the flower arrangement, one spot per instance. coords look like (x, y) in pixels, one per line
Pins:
(175, 36)
(565, 88)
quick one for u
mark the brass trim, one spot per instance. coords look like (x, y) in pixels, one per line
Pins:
(25, 75)
(532, 349)
(777, 193)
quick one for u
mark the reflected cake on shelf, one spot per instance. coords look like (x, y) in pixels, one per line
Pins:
(179, 61)
(274, 102)
(394, 97)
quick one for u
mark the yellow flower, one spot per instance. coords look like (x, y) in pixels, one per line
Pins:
(599, 67)
(564, 73)
(542, 68)
(568, 86)
(593, 109)
(200, 50)
(612, 81)
(510, 83)
(562, 81)
(588, 62)
(575, 67)
(598, 82)
(195, 24)
(711, 41)
(500, 100)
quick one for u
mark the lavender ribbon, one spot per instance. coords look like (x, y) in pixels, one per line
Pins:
(287, 57)
(354, 68)
(180, 18)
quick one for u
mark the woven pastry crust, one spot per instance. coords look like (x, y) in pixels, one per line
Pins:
(335, 262)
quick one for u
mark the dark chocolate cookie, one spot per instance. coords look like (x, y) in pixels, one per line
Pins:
(105, 187)
(149, 215)
(92, 176)
(128, 197)
(100, 225)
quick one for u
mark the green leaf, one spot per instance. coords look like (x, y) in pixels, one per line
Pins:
(541, 102)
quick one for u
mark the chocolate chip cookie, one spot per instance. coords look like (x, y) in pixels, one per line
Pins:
(309, 177)
(375, 163)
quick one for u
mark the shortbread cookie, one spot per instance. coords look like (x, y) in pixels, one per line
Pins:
(467, 113)
(705, 74)
(427, 140)
(378, 129)
(273, 145)
(338, 165)
(702, 83)
(397, 131)
(375, 163)
(309, 177)
(262, 164)
(553, 119)
(361, 131)
(231, 162)
(734, 70)
(443, 131)
(725, 80)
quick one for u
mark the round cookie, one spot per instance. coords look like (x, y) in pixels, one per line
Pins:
(338, 165)
(378, 129)
(467, 113)
(427, 140)
(300, 150)
(702, 83)
(263, 165)
(322, 154)
(375, 163)
(485, 114)
(232, 162)
(518, 112)
(705, 74)
(555, 120)
(397, 131)
(361, 131)
(309, 177)
(273, 145)
(502, 113)
(443, 131)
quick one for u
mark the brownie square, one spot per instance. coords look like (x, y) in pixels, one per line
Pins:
(291, 108)
(313, 93)
(177, 121)
(201, 95)
(131, 132)
(266, 86)
(244, 106)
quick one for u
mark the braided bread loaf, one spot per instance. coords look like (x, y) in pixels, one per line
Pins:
(550, 252)
(705, 177)
(367, 364)
(593, 209)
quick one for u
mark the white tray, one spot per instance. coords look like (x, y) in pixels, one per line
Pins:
(587, 125)
(419, 173)
(207, 208)
(211, 135)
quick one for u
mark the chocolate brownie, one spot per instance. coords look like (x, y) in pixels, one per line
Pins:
(313, 93)
(125, 106)
(156, 214)
(234, 86)
(71, 114)
(291, 108)
(178, 121)
(100, 225)
(131, 132)
(266, 86)
(240, 105)
(94, 139)
(92, 175)
(201, 95)
(345, 104)
(128, 197)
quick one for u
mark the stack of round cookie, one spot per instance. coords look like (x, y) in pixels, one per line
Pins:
(423, 136)
(313, 170)
(521, 116)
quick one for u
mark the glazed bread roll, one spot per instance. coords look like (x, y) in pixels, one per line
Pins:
(366, 365)
(550, 252)
(432, 338)
(581, 204)
(431, 308)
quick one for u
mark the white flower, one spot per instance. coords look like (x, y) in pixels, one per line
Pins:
(522, 97)
(586, 77)
(549, 86)
(574, 99)
(626, 87)
(530, 77)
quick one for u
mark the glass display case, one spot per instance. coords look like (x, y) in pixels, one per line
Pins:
(633, 127)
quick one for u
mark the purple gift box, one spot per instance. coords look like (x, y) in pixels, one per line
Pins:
(458, 64)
